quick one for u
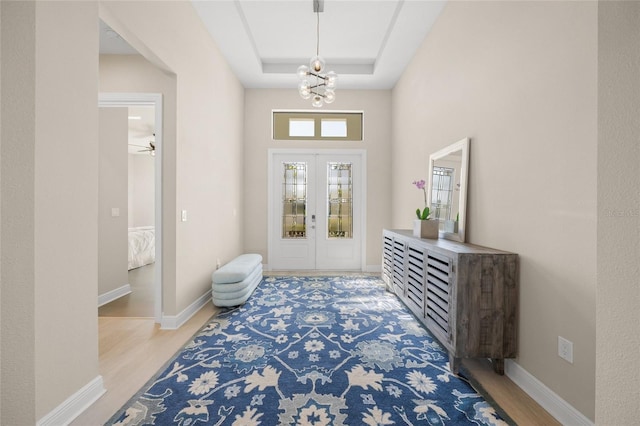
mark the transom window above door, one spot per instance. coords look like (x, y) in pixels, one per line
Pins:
(309, 125)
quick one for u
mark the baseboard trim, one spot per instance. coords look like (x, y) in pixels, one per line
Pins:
(367, 268)
(112, 295)
(373, 268)
(73, 406)
(564, 412)
(175, 322)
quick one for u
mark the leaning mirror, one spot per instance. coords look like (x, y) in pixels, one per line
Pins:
(447, 190)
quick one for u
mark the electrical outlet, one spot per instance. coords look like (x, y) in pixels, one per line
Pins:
(217, 263)
(565, 349)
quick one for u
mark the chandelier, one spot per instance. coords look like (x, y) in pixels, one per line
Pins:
(313, 82)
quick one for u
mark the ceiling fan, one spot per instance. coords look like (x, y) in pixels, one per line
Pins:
(151, 148)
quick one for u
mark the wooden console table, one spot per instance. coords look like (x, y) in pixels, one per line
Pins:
(466, 295)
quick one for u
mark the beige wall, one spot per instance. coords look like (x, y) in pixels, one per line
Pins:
(618, 295)
(49, 237)
(65, 200)
(208, 145)
(130, 191)
(112, 193)
(519, 79)
(0, 213)
(18, 104)
(141, 177)
(259, 104)
(49, 176)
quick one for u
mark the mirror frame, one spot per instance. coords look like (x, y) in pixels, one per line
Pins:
(462, 145)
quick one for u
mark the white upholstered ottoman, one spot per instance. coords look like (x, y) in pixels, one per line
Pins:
(233, 283)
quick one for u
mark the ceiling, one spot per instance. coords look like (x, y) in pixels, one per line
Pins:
(111, 43)
(368, 43)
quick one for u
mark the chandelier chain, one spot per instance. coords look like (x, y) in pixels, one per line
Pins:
(313, 81)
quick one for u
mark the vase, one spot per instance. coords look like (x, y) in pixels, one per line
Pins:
(426, 228)
(451, 226)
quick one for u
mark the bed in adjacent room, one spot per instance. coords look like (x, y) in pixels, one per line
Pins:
(142, 246)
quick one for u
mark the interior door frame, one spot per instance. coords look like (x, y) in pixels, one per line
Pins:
(362, 153)
(155, 100)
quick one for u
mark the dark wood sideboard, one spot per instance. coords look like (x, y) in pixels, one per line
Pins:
(466, 295)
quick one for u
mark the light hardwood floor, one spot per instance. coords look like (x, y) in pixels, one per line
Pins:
(132, 350)
(138, 303)
(513, 400)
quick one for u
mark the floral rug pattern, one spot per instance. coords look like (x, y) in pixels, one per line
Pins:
(311, 351)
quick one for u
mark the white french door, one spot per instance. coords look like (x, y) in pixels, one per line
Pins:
(315, 210)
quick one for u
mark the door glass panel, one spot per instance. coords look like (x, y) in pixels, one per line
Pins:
(294, 200)
(442, 192)
(339, 200)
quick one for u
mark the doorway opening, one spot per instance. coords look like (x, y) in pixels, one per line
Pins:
(144, 201)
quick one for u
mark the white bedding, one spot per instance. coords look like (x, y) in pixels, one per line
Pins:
(142, 246)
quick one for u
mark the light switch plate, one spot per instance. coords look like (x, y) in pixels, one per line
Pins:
(115, 212)
(184, 215)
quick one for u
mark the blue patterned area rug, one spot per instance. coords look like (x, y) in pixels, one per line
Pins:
(311, 351)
